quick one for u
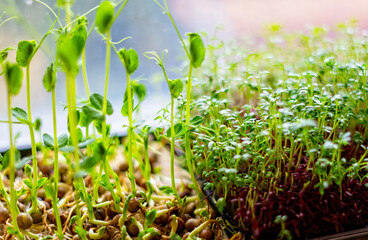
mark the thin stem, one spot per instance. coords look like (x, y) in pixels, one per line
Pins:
(56, 168)
(188, 153)
(13, 195)
(71, 93)
(130, 136)
(85, 78)
(33, 144)
(107, 71)
(172, 152)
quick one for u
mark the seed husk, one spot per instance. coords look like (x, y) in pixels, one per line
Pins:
(37, 217)
(100, 214)
(162, 220)
(180, 224)
(207, 234)
(192, 224)
(133, 205)
(132, 229)
(4, 214)
(24, 221)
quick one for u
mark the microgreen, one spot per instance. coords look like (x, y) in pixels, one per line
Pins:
(129, 58)
(196, 56)
(13, 76)
(277, 130)
(176, 87)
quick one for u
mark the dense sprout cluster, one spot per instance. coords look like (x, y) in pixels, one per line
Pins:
(87, 184)
(283, 143)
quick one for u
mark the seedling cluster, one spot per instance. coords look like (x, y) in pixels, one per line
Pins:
(77, 185)
(283, 142)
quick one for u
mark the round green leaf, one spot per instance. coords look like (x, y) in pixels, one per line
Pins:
(49, 79)
(176, 87)
(25, 52)
(197, 50)
(69, 48)
(97, 102)
(130, 59)
(104, 17)
(14, 77)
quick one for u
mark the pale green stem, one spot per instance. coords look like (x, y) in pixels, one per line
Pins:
(13, 195)
(104, 107)
(172, 150)
(188, 150)
(130, 136)
(33, 144)
(56, 168)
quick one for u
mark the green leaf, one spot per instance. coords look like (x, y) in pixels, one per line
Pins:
(221, 203)
(166, 189)
(150, 217)
(204, 213)
(6, 159)
(63, 140)
(69, 48)
(28, 182)
(25, 52)
(89, 162)
(49, 79)
(99, 150)
(124, 109)
(85, 121)
(67, 149)
(28, 170)
(4, 54)
(48, 140)
(104, 17)
(80, 28)
(14, 77)
(197, 50)
(97, 102)
(196, 120)
(21, 115)
(38, 124)
(176, 87)
(86, 142)
(49, 191)
(93, 113)
(140, 90)
(178, 128)
(130, 60)
(42, 182)
(22, 162)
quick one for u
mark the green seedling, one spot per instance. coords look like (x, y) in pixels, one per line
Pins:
(129, 58)
(176, 87)
(49, 83)
(148, 231)
(13, 76)
(195, 54)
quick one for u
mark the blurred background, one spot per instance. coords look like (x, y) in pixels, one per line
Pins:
(149, 30)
